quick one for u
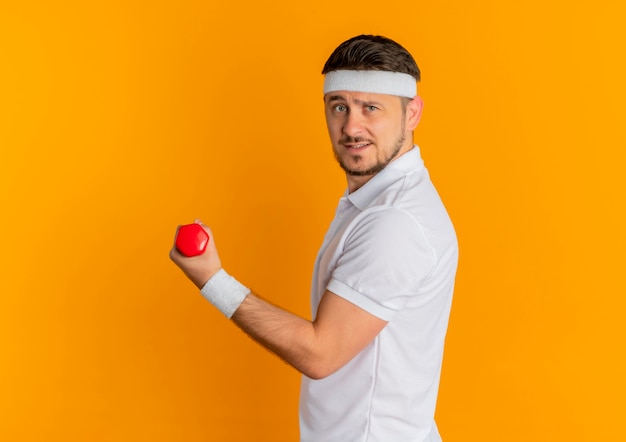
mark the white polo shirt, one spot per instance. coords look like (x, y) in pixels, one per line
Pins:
(392, 251)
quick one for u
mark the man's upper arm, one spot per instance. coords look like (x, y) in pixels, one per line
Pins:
(342, 330)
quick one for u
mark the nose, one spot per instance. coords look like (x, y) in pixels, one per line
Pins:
(353, 124)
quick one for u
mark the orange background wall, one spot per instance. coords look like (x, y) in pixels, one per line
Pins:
(120, 120)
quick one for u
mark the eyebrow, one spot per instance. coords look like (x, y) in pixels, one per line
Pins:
(332, 98)
(336, 98)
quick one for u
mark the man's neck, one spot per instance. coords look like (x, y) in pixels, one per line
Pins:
(355, 182)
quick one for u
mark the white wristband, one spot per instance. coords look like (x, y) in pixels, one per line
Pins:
(225, 292)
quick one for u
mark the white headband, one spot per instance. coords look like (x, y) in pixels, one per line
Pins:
(374, 82)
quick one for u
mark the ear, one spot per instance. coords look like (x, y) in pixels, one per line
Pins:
(414, 112)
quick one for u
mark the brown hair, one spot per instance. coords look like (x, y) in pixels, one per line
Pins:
(374, 53)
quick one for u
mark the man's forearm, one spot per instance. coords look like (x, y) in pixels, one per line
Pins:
(289, 336)
(319, 348)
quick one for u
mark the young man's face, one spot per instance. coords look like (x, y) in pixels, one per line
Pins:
(368, 130)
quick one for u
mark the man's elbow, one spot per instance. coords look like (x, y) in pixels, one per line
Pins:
(319, 369)
(317, 375)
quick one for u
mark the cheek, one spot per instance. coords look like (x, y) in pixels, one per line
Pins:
(382, 130)
(390, 128)
(334, 127)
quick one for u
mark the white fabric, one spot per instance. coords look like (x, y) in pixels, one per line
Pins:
(374, 82)
(392, 251)
(225, 292)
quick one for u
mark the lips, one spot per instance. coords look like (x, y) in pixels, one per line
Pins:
(356, 146)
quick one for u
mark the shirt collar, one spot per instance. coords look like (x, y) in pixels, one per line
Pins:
(397, 169)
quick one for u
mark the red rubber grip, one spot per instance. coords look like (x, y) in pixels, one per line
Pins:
(191, 240)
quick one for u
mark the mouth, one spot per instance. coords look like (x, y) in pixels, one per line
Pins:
(357, 146)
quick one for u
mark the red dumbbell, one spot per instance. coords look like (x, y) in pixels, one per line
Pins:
(191, 240)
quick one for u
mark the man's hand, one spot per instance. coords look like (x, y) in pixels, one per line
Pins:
(199, 269)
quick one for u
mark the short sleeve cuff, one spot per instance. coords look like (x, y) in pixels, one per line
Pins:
(360, 300)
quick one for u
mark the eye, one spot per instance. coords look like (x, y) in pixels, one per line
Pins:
(371, 108)
(340, 108)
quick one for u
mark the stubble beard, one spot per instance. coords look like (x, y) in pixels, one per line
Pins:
(376, 167)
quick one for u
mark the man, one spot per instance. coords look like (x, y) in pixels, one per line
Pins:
(383, 280)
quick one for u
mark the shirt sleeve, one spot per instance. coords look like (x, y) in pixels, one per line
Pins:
(384, 261)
